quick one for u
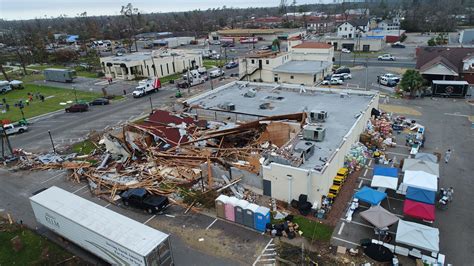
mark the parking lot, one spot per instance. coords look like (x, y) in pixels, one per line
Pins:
(197, 239)
(448, 126)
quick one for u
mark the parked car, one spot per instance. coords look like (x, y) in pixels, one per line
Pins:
(228, 44)
(265, 47)
(342, 69)
(391, 77)
(346, 76)
(345, 51)
(141, 199)
(333, 81)
(398, 45)
(215, 56)
(216, 73)
(99, 101)
(231, 65)
(78, 107)
(14, 128)
(386, 57)
(215, 42)
(386, 81)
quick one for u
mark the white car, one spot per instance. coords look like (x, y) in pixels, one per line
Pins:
(391, 77)
(342, 76)
(386, 57)
(333, 81)
(216, 73)
(345, 51)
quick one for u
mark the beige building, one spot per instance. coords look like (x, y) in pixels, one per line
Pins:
(157, 64)
(305, 63)
(261, 34)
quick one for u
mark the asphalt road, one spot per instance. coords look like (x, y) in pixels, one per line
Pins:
(405, 63)
(237, 245)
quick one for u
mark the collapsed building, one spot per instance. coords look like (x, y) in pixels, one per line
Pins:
(300, 135)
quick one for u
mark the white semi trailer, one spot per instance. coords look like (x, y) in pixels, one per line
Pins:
(113, 237)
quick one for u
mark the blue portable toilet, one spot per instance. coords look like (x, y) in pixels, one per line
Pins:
(249, 215)
(262, 217)
(240, 210)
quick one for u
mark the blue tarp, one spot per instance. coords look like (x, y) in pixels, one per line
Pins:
(72, 38)
(386, 171)
(370, 195)
(421, 195)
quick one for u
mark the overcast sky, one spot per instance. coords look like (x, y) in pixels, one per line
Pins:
(27, 9)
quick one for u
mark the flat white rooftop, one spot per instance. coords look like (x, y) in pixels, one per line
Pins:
(286, 99)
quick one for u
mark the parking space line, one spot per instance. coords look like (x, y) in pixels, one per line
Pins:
(360, 184)
(151, 218)
(53, 177)
(107, 205)
(79, 189)
(364, 225)
(366, 179)
(341, 228)
(209, 226)
(365, 172)
(263, 251)
(343, 240)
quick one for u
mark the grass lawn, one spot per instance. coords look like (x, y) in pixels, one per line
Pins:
(37, 250)
(312, 229)
(53, 96)
(170, 77)
(81, 72)
(84, 147)
(208, 63)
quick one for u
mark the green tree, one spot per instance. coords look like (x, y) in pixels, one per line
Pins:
(276, 43)
(432, 42)
(412, 81)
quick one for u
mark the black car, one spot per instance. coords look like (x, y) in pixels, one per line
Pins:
(398, 45)
(99, 101)
(342, 70)
(140, 198)
(78, 107)
(182, 84)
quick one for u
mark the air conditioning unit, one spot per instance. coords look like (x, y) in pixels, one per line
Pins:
(318, 116)
(229, 106)
(314, 133)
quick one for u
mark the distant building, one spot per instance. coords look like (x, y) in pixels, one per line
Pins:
(261, 34)
(305, 63)
(353, 28)
(154, 35)
(446, 63)
(321, 24)
(157, 64)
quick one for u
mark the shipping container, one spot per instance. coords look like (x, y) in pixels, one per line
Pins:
(113, 237)
(59, 75)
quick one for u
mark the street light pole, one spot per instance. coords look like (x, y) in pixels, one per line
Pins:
(52, 142)
(75, 93)
(367, 73)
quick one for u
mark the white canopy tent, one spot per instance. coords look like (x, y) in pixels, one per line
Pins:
(419, 179)
(421, 165)
(384, 182)
(418, 236)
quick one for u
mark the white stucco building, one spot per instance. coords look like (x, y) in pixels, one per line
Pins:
(352, 29)
(159, 63)
(305, 63)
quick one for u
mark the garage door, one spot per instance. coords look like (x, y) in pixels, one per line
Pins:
(349, 46)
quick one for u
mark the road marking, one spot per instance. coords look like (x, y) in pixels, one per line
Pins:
(107, 205)
(360, 184)
(343, 240)
(149, 219)
(51, 178)
(207, 228)
(366, 179)
(342, 227)
(456, 114)
(366, 225)
(77, 190)
(260, 256)
(365, 172)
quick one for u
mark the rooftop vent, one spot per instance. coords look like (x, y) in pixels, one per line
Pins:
(251, 93)
(227, 106)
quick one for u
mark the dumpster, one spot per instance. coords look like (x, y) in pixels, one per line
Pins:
(249, 215)
(220, 205)
(239, 211)
(229, 208)
(262, 217)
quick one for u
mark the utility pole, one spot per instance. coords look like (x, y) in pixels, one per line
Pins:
(151, 106)
(367, 73)
(52, 142)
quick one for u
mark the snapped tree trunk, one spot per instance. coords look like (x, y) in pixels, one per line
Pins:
(4, 72)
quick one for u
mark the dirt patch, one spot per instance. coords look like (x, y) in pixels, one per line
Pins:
(214, 242)
(399, 109)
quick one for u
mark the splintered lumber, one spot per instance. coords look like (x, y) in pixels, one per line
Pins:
(190, 206)
(236, 193)
(228, 185)
(209, 173)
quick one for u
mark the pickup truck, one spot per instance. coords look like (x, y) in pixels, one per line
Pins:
(141, 199)
(386, 57)
(14, 128)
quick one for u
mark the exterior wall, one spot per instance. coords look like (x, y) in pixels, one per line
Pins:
(305, 79)
(165, 66)
(346, 30)
(288, 182)
(358, 44)
(248, 65)
(312, 54)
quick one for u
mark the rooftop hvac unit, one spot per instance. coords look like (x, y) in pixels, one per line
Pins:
(318, 116)
(314, 133)
(229, 106)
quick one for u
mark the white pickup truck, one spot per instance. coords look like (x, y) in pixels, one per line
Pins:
(14, 128)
